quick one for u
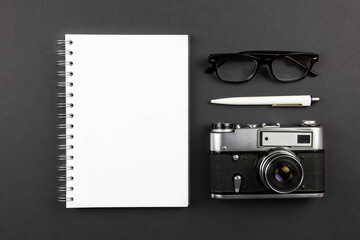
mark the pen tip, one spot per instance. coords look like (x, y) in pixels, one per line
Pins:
(315, 99)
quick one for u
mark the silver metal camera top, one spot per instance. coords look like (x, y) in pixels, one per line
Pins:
(223, 127)
(226, 137)
(308, 123)
(229, 126)
(265, 125)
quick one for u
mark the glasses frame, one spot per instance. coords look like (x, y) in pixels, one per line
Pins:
(262, 58)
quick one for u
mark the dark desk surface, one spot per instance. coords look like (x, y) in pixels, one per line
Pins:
(28, 30)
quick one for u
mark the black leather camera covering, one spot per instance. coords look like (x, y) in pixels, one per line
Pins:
(223, 169)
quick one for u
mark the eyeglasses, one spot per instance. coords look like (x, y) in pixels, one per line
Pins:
(284, 66)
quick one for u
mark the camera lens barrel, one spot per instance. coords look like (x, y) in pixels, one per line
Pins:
(281, 171)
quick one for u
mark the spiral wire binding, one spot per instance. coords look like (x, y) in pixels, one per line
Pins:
(64, 73)
(65, 105)
(63, 52)
(64, 136)
(64, 42)
(64, 63)
(64, 126)
(64, 115)
(64, 157)
(64, 167)
(64, 147)
(64, 95)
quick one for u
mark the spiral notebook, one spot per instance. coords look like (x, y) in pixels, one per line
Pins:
(126, 121)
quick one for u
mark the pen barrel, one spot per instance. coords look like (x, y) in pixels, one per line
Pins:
(297, 100)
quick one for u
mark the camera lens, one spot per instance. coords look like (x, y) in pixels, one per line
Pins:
(281, 171)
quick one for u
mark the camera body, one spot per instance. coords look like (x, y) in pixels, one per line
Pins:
(266, 161)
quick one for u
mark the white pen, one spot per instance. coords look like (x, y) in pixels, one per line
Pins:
(275, 101)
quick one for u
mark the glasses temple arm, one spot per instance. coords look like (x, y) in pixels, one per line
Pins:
(210, 69)
(213, 67)
(311, 72)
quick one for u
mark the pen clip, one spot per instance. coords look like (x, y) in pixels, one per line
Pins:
(287, 105)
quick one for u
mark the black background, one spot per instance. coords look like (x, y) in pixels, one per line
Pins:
(28, 30)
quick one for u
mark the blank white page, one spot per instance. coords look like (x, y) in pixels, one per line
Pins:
(130, 117)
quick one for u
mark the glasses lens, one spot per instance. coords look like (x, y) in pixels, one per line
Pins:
(291, 67)
(236, 69)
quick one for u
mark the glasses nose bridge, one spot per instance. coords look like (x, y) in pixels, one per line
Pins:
(264, 61)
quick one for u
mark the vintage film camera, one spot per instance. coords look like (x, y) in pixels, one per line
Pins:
(266, 161)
